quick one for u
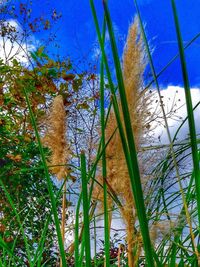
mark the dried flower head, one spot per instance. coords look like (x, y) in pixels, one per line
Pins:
(134, 62)
(55, 138)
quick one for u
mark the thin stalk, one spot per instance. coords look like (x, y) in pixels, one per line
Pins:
(76, 242)
(178, 233)
(64, 206)
(186, 118)
(95, 242)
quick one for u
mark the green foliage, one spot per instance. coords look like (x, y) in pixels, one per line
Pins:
(23, 177)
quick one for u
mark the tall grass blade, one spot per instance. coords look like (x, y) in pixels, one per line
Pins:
(104, 172)
(49, 184)
(86, 219)
(191, 121)
(144, 230)
(38, 254)
(18, 221)
(76, 242)
(95, 243)
(173, 59)
(135, 177)
(171, 151)
(113, 92)
(91, 175)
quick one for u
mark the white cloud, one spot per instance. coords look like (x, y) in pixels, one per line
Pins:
(3, 2)
(16, 45)
(96, 51)
(173, 98)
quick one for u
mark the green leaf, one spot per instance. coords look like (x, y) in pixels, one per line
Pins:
(40, 51)
(77, 84)
(83, 105)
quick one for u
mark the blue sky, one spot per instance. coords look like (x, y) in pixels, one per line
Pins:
(76, 34)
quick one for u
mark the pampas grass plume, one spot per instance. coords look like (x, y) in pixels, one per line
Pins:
(134, 62)
(55, 138)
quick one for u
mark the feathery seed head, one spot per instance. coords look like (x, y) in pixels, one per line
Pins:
(55, 138)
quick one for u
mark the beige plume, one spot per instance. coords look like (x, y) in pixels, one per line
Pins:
(55, 138)
(134, 63)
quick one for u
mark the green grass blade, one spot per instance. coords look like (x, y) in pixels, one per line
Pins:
(172, 60)
(112, 88)
(173, 250)
(86, 219)
(167, 128)
(95, 242)
(91, 175)
(4, 245)
(113, 91)
(82, 251)
(38, 254)
(191, 121)
(49, 183)
(135, 177)
(76, 242)
(18, 220)
(104, 172)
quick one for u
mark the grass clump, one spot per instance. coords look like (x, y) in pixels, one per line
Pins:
(126, 173)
